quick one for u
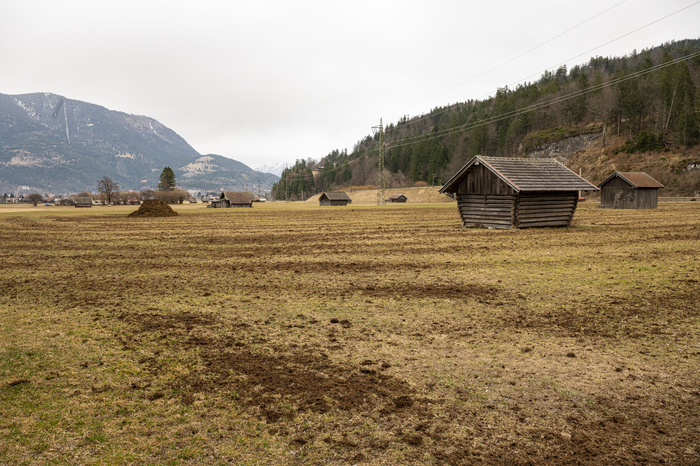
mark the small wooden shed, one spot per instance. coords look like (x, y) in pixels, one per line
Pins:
(333, 199)
(83, 202)
(629, 190)
(397, 198)
(505, 192)
(230, 199)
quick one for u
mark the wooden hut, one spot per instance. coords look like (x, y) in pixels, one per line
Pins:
(230, 199)
(83, 202)
(397, 198)
(334, 199)
(503, 192)
(629, 190)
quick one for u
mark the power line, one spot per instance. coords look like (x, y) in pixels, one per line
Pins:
(413, 121)
(530, 108)
(539, 105)
(511, 59)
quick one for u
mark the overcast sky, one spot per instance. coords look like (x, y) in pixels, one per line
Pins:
(272, 81)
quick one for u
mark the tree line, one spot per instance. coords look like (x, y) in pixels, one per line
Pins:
(109, 192)
(655, 106)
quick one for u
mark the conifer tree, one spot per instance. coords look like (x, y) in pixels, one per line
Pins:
(167, 180)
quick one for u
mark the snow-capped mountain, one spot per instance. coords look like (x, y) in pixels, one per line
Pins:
(275, 169)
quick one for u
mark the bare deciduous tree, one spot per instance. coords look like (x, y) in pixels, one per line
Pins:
(602, 106)
(35, 199)
(107, 187)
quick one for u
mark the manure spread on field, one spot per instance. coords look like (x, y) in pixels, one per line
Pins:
(154, 208)
(266, 377)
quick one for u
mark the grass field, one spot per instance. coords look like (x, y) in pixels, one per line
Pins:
(293, 334)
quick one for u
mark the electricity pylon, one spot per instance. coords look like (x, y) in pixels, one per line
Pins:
(381, 188)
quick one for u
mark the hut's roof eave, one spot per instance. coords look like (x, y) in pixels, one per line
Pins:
(635, 179)
(526, 175)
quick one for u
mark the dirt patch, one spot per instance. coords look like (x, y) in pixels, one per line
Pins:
(481, 293)
(154, 208)
(307, 381)
(280, 382)
(615, 316)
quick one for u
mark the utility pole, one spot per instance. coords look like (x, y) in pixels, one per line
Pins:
(381, 189)
(286, 184)
(259, 191)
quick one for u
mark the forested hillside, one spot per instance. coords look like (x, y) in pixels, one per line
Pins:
(646, 101)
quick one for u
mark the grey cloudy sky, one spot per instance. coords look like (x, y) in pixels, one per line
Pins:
(273, 81)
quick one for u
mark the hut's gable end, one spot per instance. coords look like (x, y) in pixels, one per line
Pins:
(480, 180)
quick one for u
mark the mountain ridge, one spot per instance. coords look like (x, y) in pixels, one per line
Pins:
(51, 143)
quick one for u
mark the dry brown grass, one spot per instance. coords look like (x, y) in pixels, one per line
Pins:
(357, 335)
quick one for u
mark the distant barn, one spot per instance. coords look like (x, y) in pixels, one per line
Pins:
(83, 202)
(503, 192)
(234, 199)
(629, 190)
(397, 198)
(333, 199)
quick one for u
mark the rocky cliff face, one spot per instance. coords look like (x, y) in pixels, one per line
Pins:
(54, 144)
(563, 150)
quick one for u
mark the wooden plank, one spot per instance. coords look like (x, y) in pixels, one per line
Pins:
(501, 208)
(489, 196)
(487, 211)
(544, 201)
(546, 214)
(540, 220)
(531, 195)
(495, 201)
(490, 219)
(545, 211)
(486, 220)
(545, 204)
(543, 224)
(545, 198)
(485, 215)
(485, 225)
(545, 207)
(543, 219)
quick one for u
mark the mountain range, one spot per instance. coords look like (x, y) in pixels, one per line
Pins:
(275, 169)
(49, 143)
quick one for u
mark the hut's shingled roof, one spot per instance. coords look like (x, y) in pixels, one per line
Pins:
(83, 201)
(636, 179)
(238, 197)
(396, 196)
(337, 196)
(525, 174)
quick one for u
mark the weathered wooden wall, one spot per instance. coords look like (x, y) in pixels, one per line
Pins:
(328, 202)
(486, 210)
(546, 209)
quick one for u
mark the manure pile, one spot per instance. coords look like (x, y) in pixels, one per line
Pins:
(154, 208)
